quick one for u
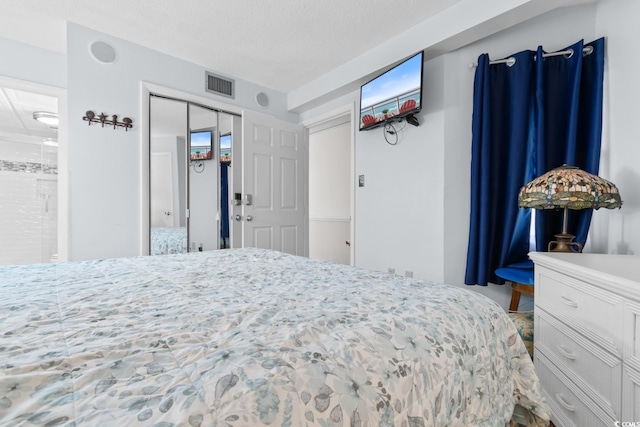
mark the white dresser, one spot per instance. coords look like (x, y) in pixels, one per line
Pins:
(587, 337)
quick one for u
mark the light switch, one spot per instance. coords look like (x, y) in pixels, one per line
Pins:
(361, 181)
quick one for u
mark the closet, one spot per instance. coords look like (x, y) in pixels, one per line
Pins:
(190, 166)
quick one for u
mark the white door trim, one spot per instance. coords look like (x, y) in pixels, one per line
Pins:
(350, 110)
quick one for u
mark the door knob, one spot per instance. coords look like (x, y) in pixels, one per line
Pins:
(238, 217)
(249, 218)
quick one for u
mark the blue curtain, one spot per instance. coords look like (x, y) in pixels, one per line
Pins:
(521, 128)
(224, 201)
(569, 96)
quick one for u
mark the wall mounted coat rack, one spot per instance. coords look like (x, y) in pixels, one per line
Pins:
(91, 117)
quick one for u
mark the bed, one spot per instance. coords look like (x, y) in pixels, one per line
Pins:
(250, 337)
(168, 240)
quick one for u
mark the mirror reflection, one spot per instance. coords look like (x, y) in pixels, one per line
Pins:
(225, 181)
(201, 145)
(191, 179)
(168, 176)
(203, 179)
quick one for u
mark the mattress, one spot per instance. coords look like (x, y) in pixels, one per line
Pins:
(168, 240)
(250, 337)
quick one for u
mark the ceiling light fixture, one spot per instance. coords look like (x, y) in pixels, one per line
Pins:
(49, 119)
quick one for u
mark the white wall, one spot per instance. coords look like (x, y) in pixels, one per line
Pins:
(25, 62)
(399, 211)
(619, 231)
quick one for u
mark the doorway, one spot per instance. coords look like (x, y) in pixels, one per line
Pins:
(32, 212)
(330, 191)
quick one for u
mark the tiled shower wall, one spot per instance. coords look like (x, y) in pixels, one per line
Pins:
(28, 203)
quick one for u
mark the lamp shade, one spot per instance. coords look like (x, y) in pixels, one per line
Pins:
(571, 188)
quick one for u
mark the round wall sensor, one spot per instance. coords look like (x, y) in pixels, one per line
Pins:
(103, 52)
(262, 99)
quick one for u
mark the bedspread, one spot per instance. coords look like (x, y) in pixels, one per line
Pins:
(168, 240)
(249, 337)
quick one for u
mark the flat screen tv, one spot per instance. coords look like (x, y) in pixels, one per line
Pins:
(393, 95)
(201, 145)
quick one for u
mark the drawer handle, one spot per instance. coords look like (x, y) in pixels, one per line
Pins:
(566, 353)
(567, 406)
(569, 302)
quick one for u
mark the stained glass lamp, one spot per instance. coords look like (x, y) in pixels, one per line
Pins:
(568, 187)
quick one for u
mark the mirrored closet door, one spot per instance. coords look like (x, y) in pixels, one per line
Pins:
(229, 125)
(190, 176)
(203, 179)
(183, 177)
(168, 176)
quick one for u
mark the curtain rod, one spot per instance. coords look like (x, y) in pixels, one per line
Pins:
(587, 50)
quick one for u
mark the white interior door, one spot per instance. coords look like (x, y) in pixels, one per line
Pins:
(274, 174)
(161, 190)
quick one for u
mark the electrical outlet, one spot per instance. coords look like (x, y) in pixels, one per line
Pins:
(391, 270)
(408, 274)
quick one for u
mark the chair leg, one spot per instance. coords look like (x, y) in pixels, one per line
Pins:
(515, 299)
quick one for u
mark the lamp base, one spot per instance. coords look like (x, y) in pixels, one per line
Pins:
(564, 243)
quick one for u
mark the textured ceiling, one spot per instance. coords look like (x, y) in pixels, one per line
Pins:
(281, 44)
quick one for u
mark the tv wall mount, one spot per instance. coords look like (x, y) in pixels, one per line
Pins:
(411, 119)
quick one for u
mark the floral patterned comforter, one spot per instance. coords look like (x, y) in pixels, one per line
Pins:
(249, 337)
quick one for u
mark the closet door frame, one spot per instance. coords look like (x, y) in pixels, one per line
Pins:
(145, 119)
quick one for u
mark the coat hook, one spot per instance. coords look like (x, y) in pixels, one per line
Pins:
(90, 117)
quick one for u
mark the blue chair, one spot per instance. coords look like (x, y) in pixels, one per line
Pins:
(521, 277)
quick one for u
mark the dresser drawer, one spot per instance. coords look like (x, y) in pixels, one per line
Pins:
(596, 372)
(570, 406)
(593, 312)
(632, 331)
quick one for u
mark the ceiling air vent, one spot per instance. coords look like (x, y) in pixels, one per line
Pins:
(220, 85)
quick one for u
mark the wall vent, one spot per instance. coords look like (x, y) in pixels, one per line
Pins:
(220, 85)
